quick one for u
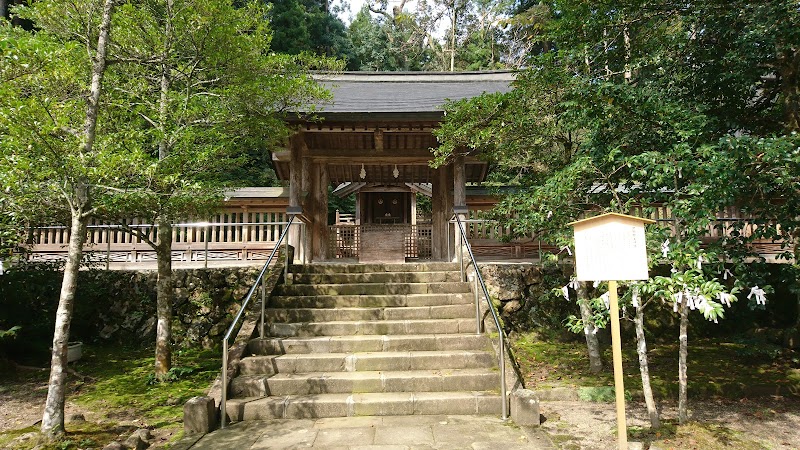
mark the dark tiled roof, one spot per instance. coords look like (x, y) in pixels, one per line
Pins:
(407, 92)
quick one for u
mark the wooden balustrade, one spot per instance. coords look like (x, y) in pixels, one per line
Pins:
(238, 234)
(229, 235)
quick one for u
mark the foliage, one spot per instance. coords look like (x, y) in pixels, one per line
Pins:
(645, 104)
(308, 26)
(9, 333)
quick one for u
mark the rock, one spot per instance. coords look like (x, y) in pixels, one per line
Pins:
(531, 275)
(148, 327)
(76, 418)
(172, 401)
(137, 440)
(199, 415)
(232, 279)
(108, 331)
(525, 408)
(512, 306)
(114, 445)
(144, 433)
(504, 282)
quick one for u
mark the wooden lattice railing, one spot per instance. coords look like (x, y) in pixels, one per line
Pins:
(228, 235)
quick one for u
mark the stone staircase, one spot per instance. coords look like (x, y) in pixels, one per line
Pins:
(368, 340)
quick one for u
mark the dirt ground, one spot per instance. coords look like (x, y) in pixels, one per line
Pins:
(22, 405)
(772, 422)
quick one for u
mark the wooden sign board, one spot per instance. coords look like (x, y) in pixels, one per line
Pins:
(610, 247)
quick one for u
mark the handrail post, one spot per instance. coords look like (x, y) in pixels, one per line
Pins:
(503, 395)
(108, 247)
(205, 246)
(478, 321)
(223, 402)
(461, 256)
(263, 305)
(286, 258)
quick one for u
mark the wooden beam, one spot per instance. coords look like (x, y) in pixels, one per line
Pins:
(441, 212)
(378, 138)
(319, 214)
(295, 169)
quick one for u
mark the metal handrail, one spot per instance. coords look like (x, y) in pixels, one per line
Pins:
(259, 279)
(500, 332)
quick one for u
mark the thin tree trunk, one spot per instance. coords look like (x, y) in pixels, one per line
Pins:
(164, 299)
(4, 8)
(80, 204)
(589, 329)
(790, 88)
(164, 286)
(683, 406)
(644, 368)
(53, 417)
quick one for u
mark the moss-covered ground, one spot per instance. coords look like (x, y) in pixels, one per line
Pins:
(722, 369)
(717, 367)
(117, 391)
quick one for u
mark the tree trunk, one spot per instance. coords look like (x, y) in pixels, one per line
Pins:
(80, 204)
(4, 8)
(53, 417)
(644, 368)
(683, 407)
(589, 329)
(789, 61)
(164, 300)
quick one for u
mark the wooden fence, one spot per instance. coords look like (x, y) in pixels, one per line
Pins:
(229, 235)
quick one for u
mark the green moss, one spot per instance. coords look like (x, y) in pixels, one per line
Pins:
(122, 382)
(715, 367)
(708, 436)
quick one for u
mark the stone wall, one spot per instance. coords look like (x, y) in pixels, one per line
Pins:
(524, 293)
(206, 300)
(119, 306)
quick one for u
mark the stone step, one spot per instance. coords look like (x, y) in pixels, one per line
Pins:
(367, 404)
(367, 361)
(331, 268)
(348, 328)
(438, 380)
(369, 343)
(372, 289)
(369, 301)
(465, 310)
(375, 277)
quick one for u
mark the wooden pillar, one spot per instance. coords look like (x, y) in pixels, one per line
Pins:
(459, 197)
(359, 196)
(319, 213)
(297, 147)
(442, 210)
(413, 208)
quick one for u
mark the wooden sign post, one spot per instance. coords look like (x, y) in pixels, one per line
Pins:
(612, 247)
